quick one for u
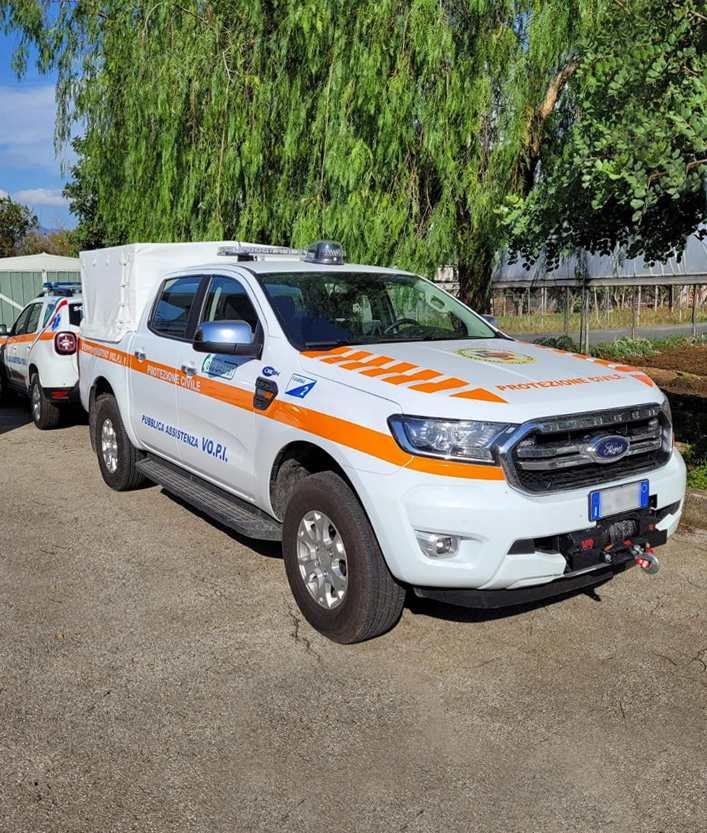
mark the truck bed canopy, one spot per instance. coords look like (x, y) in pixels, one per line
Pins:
(119, 281)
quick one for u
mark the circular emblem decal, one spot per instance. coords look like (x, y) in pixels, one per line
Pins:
(482, 354)
(608, 449)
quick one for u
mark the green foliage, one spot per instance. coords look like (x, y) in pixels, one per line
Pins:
(632, 169)
(697, 476)
(398, 128)
(16, 220)
(623, 348)
(81, 191)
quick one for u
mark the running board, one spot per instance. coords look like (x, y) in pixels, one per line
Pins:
(223, 507)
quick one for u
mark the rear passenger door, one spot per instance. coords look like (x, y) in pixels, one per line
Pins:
(154, 376)
(21, 338)
(10, 352)
(215, 399)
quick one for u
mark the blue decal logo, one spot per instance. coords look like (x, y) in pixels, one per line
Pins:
(270, 371)
(608, 449)
(56, 322)
(299, 386)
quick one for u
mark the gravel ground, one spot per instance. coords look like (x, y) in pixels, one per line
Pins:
(155, 675)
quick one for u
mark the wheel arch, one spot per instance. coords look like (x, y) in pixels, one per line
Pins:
(295, 461)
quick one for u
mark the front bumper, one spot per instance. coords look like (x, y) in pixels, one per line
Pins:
(490, 518)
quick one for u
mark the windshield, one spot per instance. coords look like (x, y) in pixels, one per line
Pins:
(318, 309)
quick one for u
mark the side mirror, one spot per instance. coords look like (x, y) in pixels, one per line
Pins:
(491, 319)
(3, 329)
(226, 338)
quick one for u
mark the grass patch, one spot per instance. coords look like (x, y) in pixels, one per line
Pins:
(624, 348)
(554, 321)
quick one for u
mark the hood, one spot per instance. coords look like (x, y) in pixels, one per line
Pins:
(494, 379)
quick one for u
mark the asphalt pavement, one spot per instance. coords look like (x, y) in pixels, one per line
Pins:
(156, 675)
(595, 336)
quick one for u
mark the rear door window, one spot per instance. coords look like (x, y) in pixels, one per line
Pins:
(33, 319)
(172, 311)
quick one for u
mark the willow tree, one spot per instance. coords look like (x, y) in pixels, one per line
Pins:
(398, 128)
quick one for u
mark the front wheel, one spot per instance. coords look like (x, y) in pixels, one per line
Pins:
(334, 565)
(117, 456)
(44, 413)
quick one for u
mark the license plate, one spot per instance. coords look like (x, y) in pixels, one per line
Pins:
(618, 499)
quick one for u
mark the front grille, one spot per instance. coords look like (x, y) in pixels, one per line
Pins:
(555, 454)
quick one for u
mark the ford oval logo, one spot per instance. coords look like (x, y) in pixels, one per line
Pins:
(608, 449)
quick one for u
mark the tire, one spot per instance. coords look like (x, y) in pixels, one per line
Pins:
(369, 600)
(117, 456)
(44, 413)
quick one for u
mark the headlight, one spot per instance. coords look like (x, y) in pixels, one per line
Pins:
(450, 439)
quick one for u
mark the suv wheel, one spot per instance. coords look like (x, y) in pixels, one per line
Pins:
(117, 456)
(44, 413)
(334, 565)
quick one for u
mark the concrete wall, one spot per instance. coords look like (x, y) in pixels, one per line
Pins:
(18, 288)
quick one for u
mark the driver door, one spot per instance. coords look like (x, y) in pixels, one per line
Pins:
(215, 397)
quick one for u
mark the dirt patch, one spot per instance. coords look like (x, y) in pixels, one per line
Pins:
(679, 371)
(674, 381)
(686, 360)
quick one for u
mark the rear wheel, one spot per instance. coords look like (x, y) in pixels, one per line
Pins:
(334, 565)
(44, 413)
(117, 456)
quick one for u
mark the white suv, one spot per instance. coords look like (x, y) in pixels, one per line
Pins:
(38, 357)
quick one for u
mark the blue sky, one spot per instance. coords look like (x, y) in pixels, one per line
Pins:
(29, 170)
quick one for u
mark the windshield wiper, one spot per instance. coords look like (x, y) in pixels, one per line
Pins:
(326, 345)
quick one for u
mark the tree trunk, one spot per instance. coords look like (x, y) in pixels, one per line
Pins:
(475, 275)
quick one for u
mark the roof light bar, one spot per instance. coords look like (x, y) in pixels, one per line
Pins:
(63, 288)
(251, 252)
(325, 251)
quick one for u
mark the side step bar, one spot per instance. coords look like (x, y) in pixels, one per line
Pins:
(221, 506)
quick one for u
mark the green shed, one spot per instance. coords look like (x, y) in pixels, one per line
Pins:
(21, 279)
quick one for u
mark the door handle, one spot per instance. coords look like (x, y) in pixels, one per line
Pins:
(189, 369)
(140, 355)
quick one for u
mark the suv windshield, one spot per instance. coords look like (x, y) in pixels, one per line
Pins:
(318, 309)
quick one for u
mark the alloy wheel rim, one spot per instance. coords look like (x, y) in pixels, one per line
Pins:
(109, 446)
(36, 403)
(321, 557)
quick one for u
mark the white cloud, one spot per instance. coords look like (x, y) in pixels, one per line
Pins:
(27, 128)
(41, 196)
(3, 194)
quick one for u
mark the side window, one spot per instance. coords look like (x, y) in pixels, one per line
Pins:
(21, 322)
(171, 314)
(227, 300)
(51, 306)
(75, 314)
(33, 320)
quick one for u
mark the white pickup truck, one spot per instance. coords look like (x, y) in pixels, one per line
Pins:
(388, 435)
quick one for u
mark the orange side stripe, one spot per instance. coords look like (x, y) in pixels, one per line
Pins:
(341, 431)
(443, 468)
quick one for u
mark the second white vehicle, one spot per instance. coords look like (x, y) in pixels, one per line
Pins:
(38, 357)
